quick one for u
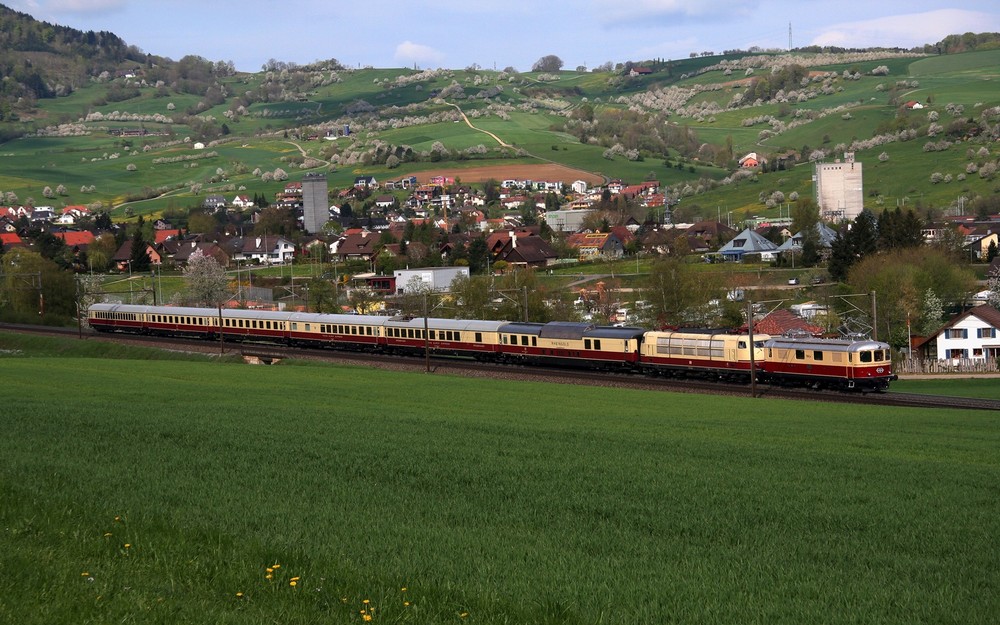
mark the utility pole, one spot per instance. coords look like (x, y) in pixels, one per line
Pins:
(753, 368)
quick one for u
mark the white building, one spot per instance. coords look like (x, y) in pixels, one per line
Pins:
(838, 189)
(566, 220)
(430, 278)
(973, 335)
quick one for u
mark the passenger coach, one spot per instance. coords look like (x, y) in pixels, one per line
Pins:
(452, 337)
(571, 344)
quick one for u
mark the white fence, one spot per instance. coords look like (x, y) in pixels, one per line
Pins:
(962, 365)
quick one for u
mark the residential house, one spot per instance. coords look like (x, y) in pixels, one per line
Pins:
(748, 242)
(186, 249)
(359, 244)
(781, 321)
(123, 257)
(242, 202)
(10, 239)
(267, 249)
(974, 335)
(596, 244)
(159, 236)
(639, 71)
(526, 251)
(71, 214)
(750, 160)
(365, 182)
(214, 202)
(76, 240)
(711, 233)
(38, 214)
(825, 238)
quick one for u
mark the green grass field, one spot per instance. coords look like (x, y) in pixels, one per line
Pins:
(165, 492)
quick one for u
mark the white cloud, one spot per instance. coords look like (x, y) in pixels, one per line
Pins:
(906, 30)
(409, 52)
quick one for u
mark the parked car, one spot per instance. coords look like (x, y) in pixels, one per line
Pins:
(793, 281)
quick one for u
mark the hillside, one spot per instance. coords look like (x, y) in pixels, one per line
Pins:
(130, 135)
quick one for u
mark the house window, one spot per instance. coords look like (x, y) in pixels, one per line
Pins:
(977, 352)
(956, 353)
(986, 333)
(958, 333)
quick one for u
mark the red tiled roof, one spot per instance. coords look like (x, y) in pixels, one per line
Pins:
(73, 239)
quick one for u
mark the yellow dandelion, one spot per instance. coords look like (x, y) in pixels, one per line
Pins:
(106, 534)
(239, 595)
(296, 578)
(406, 604)
(268, 576)
(277, 566)
(403, 589)
(85, 574)
(117, 518)
(463, 615)
(293, 583)
(366, 617)
(128, 545)
(343, 599)
(366, 602)
(270, 570)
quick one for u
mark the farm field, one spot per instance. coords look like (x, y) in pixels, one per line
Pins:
(984, 388)
(208, 488)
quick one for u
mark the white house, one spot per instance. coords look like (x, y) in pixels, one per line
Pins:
(242, 202)
(974, 335)
(271, 249)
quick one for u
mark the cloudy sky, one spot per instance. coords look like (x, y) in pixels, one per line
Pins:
(492, 33)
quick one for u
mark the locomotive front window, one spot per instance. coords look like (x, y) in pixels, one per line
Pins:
(866, 356)
(879, 355)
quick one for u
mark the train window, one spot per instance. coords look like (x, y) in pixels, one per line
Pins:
(409, 334)
(879, 355)
(479, 337)
(742, 345)
(295, 326)
(800, 354)
(597, 344)
(524, 340)
(866, 356)
(534, 341)
(817, 355)
(586, 343)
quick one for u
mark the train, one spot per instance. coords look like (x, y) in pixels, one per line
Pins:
(806, 361)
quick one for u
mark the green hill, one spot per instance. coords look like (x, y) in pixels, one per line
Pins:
(128, 132)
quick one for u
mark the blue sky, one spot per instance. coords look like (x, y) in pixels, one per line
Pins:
(458, 33)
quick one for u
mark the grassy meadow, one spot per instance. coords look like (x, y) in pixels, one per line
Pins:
(151, 491)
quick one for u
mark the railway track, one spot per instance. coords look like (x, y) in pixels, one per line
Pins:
(270, 353)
